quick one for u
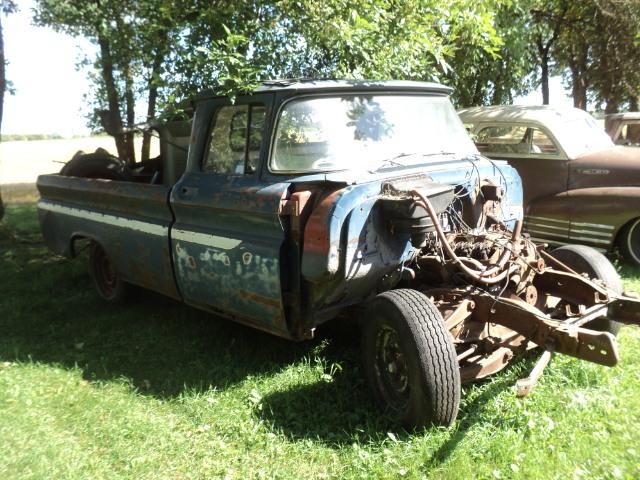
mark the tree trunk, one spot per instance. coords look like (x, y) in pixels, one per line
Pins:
(543, 51)
(578, 89)
(130, 109)
(611, 106)
(633, 104)
(545, 79)
(578, 64)
(3, 86)
(498, 92)
(478, 94)
(112, 95)
(3, 80)
(151, 107)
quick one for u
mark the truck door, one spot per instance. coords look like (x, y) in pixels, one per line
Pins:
(227, 236)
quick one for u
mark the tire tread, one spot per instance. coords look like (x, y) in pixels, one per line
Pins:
(435, 350)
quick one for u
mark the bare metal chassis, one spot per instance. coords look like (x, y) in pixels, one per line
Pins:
(490, 331)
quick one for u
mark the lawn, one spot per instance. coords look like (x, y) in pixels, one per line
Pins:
(154, 389)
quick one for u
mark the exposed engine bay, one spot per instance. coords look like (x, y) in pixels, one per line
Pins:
(498, 292)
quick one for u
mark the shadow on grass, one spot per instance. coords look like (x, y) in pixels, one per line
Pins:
(313, 411)
(51, 314)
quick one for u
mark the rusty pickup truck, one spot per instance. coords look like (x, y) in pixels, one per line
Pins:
(308, 201)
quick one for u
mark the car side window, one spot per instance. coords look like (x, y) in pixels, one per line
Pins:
(515, 139)
(541, 143)
(629, 134)
(508, 139)
(236, 138)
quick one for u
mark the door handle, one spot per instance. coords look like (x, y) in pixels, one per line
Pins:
(189, 191)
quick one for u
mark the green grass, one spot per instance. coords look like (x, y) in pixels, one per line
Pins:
(154, 389)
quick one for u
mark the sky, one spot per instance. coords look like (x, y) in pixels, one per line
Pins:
(42, 67)
(49, 90)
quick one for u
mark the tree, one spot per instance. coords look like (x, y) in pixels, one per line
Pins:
(161, 51)
(6, 7)
(415, 39)
(548, 21)
(482, 76)
(614, 74)
(133, 45)
(597, 53)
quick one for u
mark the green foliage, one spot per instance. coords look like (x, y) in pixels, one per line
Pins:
(8, 6)
(612, 67)
(154, 389)
(489, 51)
(595, 50)
(483, 77)
(231, 47)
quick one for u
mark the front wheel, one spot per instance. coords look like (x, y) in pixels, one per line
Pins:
(409, 359)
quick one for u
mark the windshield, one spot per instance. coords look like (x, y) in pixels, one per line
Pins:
(366, 132)
(582, 135)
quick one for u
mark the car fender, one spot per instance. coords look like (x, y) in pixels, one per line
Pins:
(601, 210)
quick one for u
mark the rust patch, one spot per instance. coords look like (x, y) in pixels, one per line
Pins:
(255, 297)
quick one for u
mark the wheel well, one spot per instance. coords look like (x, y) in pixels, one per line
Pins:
(78, 243)
(621, 230)
(628, 251)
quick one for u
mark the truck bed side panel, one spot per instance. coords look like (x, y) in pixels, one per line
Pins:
(131, 221)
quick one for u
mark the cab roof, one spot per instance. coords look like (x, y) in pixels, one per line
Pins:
(332, 85)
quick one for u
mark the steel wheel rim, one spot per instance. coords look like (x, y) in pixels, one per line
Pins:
(105, 273)
(392, 369)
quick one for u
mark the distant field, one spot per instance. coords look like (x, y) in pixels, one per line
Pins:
(22, 161)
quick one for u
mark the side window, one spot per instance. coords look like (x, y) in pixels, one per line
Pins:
(515, 139)
(256, 129)
(629, 134)
(511, 139)
(541, 143)
(623, 132)
(236, 137)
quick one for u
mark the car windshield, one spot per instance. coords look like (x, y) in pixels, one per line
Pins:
(582, 135)
(366, 132)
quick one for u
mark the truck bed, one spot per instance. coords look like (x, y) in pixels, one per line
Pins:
(131, 221)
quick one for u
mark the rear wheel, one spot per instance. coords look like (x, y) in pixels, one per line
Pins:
(106, 278)
(409, 359)
(586, 260)
(629, 242)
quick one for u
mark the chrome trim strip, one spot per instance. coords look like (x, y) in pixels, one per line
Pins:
(215, 241)
(535, 224)
(588, 232)
(545, 219)
(592, 240)
(122, 222)
(594, 225)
